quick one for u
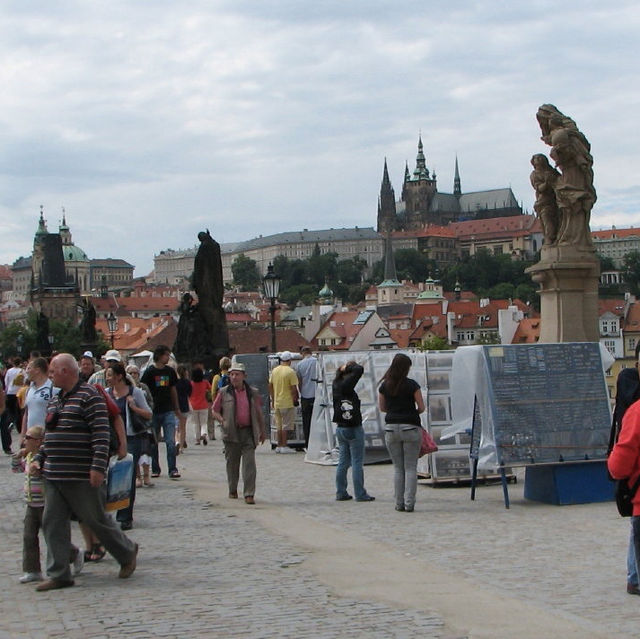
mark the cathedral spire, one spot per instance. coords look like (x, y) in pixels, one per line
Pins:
(42, 225)
(386, 203)
(389, 261)
(457, 191)
(421, 171)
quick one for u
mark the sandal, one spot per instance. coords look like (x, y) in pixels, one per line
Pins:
(97, 553)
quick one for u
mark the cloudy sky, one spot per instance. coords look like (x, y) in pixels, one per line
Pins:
(149, 120)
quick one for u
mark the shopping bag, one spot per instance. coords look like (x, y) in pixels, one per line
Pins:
(427, 445)
(119, 477)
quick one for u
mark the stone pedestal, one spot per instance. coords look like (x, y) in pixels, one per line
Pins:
(568, 278)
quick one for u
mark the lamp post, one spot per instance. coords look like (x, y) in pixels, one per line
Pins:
(20, 343)
(271, 284)
(51, 339)
(112, 323)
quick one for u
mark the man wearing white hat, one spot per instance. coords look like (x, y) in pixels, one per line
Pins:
(238, 408)
(283, 390)
(99, 377)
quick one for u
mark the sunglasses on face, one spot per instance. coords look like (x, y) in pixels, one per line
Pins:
(32, 437)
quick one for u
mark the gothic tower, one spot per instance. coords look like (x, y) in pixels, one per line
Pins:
(418, 191)
(386, 204)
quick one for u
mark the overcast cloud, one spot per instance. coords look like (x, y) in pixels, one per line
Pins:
(150, 120)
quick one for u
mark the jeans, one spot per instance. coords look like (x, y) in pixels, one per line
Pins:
(134, 446)
(633, 569)
(351, 444)
(166, 422)
(403, 443)
(306, 406)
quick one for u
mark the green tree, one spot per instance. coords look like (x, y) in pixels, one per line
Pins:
(606, 263)
(67, 338)
(245, 273)
(631, 271)
(413, 265)
(434, 343)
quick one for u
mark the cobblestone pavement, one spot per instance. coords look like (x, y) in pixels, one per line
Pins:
(214, 567)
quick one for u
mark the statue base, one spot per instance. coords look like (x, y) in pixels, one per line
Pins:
(568, 277)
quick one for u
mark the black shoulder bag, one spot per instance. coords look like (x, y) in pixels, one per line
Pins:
(625, 495)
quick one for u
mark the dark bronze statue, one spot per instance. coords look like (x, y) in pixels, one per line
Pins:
(88, 322)
(202, 328)
(42, 333)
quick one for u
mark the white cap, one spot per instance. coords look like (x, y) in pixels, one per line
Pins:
(87, 354)
(114, 355)
(286, 356)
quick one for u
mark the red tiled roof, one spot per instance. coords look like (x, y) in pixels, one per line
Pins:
(258, 340)
(615, 233)
(528, 331)
(632, 322)
(430, 230)
(615, 306)
(495, 226)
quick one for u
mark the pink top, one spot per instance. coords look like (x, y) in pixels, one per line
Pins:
(198, 397)
(243, 410)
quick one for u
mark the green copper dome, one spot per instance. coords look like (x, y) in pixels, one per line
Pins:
(74, 254)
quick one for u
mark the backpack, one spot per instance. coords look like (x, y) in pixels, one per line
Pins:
(223, 381)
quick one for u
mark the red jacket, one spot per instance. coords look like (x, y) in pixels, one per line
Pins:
(624, 460)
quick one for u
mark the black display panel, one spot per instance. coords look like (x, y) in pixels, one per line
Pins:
(549, 402)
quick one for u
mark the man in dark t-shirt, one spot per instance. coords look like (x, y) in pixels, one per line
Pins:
(161, 380)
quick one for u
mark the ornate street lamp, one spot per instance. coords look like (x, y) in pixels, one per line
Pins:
(271, 284)
(51, 339)
(112, 323)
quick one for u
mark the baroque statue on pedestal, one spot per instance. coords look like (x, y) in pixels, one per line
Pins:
(564, 198)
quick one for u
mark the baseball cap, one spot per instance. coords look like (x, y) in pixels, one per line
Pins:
(87, 354)
(285, 356)
(114, 355)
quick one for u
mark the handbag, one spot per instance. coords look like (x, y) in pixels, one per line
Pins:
(138, 424)
(427, 445)
(625, 495)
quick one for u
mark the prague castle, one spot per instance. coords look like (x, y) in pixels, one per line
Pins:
(422, 204)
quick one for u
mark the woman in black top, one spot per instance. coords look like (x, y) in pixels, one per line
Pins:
(401, 399)
(349, 432)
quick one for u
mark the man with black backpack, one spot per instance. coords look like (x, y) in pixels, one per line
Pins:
(624, 457)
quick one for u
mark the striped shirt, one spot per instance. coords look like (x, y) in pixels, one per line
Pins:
(33, 491)
(79, 441)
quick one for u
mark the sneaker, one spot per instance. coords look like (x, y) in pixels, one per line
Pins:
(632, 589)
(278, 449)
(28, 577)
(204, 440)
(367, 498)
(174, 474)
(78, 563)
(287, 450)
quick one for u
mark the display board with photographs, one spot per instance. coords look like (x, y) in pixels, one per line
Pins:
(451, 461)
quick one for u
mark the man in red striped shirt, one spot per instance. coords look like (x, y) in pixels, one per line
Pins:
(73, 460)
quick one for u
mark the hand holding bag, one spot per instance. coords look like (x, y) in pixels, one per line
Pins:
(427, 445)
